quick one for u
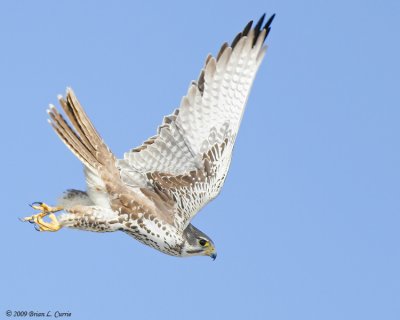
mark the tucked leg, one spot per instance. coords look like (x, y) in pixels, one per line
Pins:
(89, 218)
(70, 198)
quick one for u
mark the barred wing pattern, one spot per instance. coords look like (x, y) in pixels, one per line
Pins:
(189, 157)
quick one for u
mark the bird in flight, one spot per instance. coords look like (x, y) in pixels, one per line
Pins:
(153, 193)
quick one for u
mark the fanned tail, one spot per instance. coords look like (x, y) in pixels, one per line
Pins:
(82, 138)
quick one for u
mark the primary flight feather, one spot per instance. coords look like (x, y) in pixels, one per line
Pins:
(154, 192)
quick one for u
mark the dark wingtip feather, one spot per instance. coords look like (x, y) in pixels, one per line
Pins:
(257, 30)
(246, 30)
(236, 40)
(268, 24)
(267, 27)
(260, 22)
(221, 51)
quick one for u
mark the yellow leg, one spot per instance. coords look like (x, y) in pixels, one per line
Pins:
(37, 219)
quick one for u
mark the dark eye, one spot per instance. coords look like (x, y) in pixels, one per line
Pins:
(202, 242)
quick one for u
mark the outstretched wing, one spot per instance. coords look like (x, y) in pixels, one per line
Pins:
(189, 157)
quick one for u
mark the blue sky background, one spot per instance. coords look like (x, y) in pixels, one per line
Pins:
(307, 226)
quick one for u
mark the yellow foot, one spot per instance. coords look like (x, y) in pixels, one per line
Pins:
(37, 219)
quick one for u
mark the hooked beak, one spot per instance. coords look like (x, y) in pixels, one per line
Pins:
(210, 250)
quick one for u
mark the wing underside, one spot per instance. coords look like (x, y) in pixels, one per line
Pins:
(190, 155)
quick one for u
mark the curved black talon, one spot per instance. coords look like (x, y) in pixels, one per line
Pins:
(36, 203)
(23, 220)
(37, 228)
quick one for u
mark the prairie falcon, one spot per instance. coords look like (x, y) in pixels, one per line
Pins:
(157, 188)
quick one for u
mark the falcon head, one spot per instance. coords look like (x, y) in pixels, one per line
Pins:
(197, 243)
